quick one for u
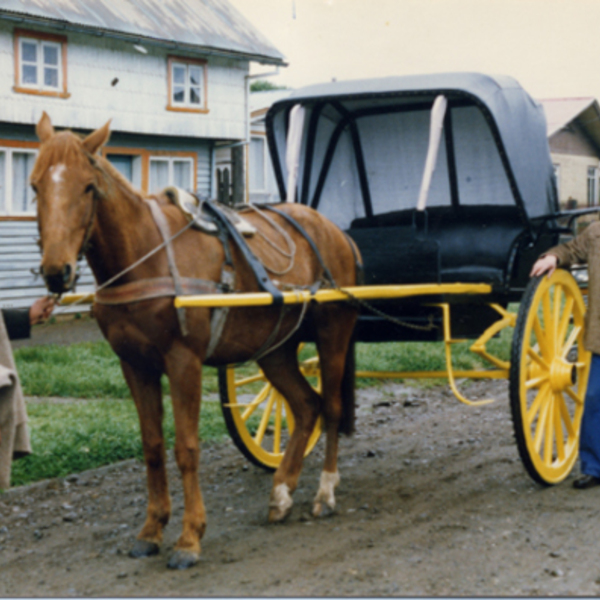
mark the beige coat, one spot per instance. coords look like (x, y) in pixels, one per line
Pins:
(585, 249)
(14, 436)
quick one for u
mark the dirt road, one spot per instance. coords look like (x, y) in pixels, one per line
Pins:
(433, 501)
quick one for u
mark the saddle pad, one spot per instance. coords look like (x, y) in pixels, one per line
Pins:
(192, 207)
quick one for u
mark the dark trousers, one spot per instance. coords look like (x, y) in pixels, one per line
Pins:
(589, 441)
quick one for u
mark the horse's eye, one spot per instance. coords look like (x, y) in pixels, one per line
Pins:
(89, 188)
(34, 188)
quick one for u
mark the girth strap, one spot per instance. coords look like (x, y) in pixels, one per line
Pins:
(163, 227)
(155, 287)
(264, 281)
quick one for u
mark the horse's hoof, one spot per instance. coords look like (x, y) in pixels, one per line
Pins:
(143, 548)
(278, 515)
(183, 559)
(322, 509)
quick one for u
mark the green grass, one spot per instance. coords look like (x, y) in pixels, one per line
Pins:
(76, 436)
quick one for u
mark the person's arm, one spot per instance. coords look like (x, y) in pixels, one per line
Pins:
(18, 321)
(567, 254)
(18, 324)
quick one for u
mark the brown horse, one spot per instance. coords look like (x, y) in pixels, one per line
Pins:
(85, 205)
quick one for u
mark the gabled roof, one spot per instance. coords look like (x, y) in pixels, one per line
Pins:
(561, 111)
(214, 26)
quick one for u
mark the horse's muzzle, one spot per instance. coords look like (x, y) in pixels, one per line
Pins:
(59, 281)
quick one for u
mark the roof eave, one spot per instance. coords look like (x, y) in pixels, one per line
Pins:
(100, 32)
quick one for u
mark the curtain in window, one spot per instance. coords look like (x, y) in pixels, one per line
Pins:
(257, 164)
(22, 165)
(182, 174)
(159, 175)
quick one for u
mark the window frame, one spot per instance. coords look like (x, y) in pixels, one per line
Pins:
(41, 38)
(187, 106)
(10, 147)
(593, 187)
(170, 159)
(262, 138)
(146, 155)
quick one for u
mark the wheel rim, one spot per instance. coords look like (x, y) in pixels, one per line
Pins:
(262, 419)
(554, 370)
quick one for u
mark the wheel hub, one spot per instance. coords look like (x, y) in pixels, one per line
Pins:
(562, 374)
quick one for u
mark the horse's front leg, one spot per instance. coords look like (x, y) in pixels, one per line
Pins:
(147, 395)
(185, 371)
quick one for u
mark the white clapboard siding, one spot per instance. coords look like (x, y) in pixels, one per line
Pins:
(137, 103)
(19, 256)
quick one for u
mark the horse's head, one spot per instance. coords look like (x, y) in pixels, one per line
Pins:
(65, 181)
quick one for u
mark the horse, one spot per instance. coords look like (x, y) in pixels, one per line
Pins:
(86, 207)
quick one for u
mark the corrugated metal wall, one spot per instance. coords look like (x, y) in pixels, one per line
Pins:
(19, 256)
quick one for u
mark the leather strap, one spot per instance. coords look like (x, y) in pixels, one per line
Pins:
(163, 227)
(156, 287)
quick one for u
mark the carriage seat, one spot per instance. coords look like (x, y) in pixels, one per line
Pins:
(469, 244)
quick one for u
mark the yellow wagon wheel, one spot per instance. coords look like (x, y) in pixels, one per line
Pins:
(258, 417)
(548, 376)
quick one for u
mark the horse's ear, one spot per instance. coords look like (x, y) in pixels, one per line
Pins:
(97, 138)
(44, 129)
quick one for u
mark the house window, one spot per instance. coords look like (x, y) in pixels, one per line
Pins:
(257, 161)
(592, 186)
(187, 85)
(16, 195)
(129, 165)
(169, 170)
(40, 63)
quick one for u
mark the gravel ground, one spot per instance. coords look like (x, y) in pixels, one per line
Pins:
(433, 501)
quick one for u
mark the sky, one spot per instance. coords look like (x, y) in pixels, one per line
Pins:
(550, 46)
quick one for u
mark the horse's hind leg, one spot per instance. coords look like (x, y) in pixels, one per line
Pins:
(334, 332)
(281, 369)
(185, 371)
(147, 395)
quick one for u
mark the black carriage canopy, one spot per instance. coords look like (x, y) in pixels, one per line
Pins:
(360, 148)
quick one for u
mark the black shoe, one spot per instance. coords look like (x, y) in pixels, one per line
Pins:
(585, 482)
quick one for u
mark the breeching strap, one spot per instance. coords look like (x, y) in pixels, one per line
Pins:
(163, 227)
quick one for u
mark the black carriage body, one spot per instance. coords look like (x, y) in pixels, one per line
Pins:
(491, 207)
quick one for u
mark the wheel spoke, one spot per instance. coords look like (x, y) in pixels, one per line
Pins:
(570, 341)
(566, 317)
(576, 397)
(548, 324)
(537, 382)
(556, 310)
(535, 405)
(566, 417)
(258, 377)
(541, 338)
(278, 425)
(541, 424)
(252, 406)
(537, 358)
(264, 420)
(558, 427)
(549, 433)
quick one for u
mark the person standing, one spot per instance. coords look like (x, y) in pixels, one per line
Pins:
(584, 249)
(14, 435)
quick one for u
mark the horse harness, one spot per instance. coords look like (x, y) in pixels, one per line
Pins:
(215, 220)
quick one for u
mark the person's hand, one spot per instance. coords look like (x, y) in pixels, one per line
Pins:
(41, 309)
(546, 264)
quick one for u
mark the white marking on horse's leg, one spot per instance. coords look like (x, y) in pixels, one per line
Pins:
(57, 172)
(281, 503)
(325, 496)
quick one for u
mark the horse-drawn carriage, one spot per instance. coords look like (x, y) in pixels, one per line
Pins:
(446, 185)
(444, 189)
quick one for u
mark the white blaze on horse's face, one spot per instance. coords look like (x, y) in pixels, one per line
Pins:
(64, 179)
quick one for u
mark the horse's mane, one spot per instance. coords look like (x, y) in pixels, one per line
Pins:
(67, 147)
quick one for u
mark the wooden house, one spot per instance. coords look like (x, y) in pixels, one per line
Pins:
(172, 76)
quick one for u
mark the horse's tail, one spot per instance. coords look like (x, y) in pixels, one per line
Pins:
(348, 393)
